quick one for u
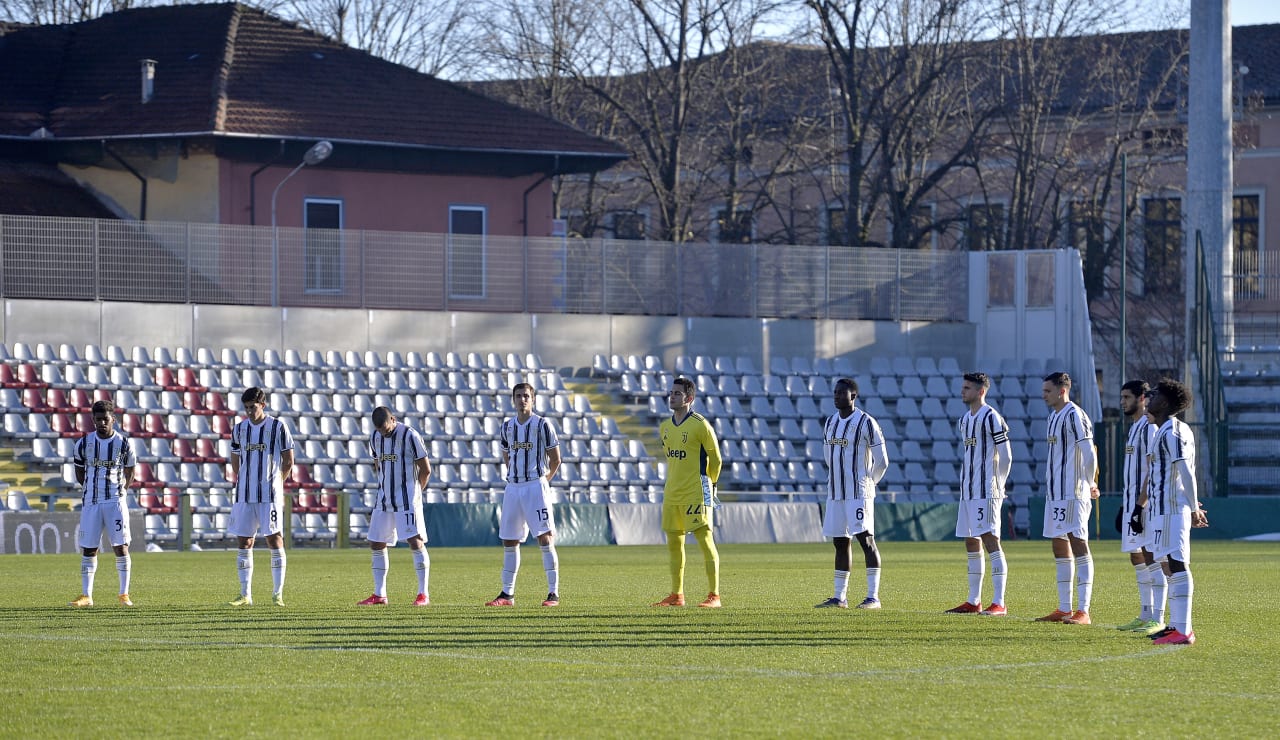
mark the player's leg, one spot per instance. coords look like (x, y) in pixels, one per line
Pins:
(1064, 567)
(414, 528)
(538, 511)
(976, 569)
(91, 525)
(1177, 556)
(871, 559)
(1159, 589)
(380, 564)
(1078, 541)
(513, 529)
(711, 561)
(673, 528)
(274, 514)
(244, 526)
(421, 566)
(843, 564)
(999, 567)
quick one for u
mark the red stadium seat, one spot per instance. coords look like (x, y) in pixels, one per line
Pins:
(34, 399)
(328, 503)
(133, 427)
(184, 449)
(30, 377)
(156, 427)
(79, 400)
(152, 503)
(217, 404)
(194, 402)
(302, 478)
(167, 380)
(188, 380)
(222, 426)
(57, 400)
(145, 478)
(8, 379)
(208, 451)
(66, 425)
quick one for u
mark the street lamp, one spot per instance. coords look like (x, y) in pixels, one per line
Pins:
(318, 153)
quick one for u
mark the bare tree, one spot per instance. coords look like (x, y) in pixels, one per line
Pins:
(63, 11)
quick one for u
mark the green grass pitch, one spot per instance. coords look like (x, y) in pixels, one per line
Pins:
(605, 664)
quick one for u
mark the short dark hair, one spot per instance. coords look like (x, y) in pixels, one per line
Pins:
(1177, 394)
(1136, 387)
(690, 388)
(254, 395)
(853, 384)
(104, 407)
(516, 389)
(1060, 379)
(381, 414)
(980, 379)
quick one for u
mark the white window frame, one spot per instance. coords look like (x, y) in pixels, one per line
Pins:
(484, 249)
(308, 287)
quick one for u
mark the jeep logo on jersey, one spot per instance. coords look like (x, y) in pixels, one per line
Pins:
(970, 441)
(681, 454)
(522, 445)
(838, 442)
(103, 463)
(256, 448)
(389, 457)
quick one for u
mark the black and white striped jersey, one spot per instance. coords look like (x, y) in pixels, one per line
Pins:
(526, 446)
(981, 434)
(1064, 474)
(260, 447)
(103, 461)
(395, 458)
(847, 443)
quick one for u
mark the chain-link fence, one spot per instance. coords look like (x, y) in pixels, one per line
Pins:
(93, 259)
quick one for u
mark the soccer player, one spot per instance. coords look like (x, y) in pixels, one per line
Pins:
(856, 460)
(400, 459)
(689, 494)
(531, 452)
(1175, 510)
(261, 461)
(1071, 486)
(985, 459)
(1137, 447)
(104, 466)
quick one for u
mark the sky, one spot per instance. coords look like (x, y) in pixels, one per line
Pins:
(1254, 12)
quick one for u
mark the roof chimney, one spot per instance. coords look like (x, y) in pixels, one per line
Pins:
(148, 80)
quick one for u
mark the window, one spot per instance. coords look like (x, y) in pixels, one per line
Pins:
(627, 225)
(985, 227)
(1162, 241)
(921, 228)
(322, 249)
(735, 229)
(1040, 280)
(1245, 238)
(836, 225)
(466, 252)
(1002, 272)
(1086, 228)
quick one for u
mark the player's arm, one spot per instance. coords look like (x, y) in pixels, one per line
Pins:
(712, 446)
(553, 461)
(128, 477)
(1003, 456)
(79, 463)
(879, 454)
(286, 464)
(235, 454)
(1183, 470)
(423, 466)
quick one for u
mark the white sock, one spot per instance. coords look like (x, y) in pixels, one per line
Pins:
(1066, 574)
(88, 566)
(380, 564)
(277, 571)
(244, 566)
(1159, 590)
(551, 564)
(1181, 587)
(123, 567)
(873, 583)
(1144, 590)
(999, 576)
(422, 562)
(1084, 581)
(842, 584)
(977, 568)
(510, 567)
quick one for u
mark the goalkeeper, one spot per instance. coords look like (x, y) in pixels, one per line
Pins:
(689, 495)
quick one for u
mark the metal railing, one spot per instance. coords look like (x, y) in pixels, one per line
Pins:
(99, 259)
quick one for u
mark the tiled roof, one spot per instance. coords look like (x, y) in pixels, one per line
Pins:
(233, 70)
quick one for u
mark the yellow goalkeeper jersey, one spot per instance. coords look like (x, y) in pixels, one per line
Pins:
(692, 452)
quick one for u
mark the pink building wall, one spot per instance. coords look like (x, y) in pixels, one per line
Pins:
(385, 201)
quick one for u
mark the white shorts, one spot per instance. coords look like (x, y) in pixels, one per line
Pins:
(392, 526)
(111, 517)
(525, 509)
(1171, 536)
(1070, 517)
(251, 520)
(979, 516)
(1131, 541)
(849, 517)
